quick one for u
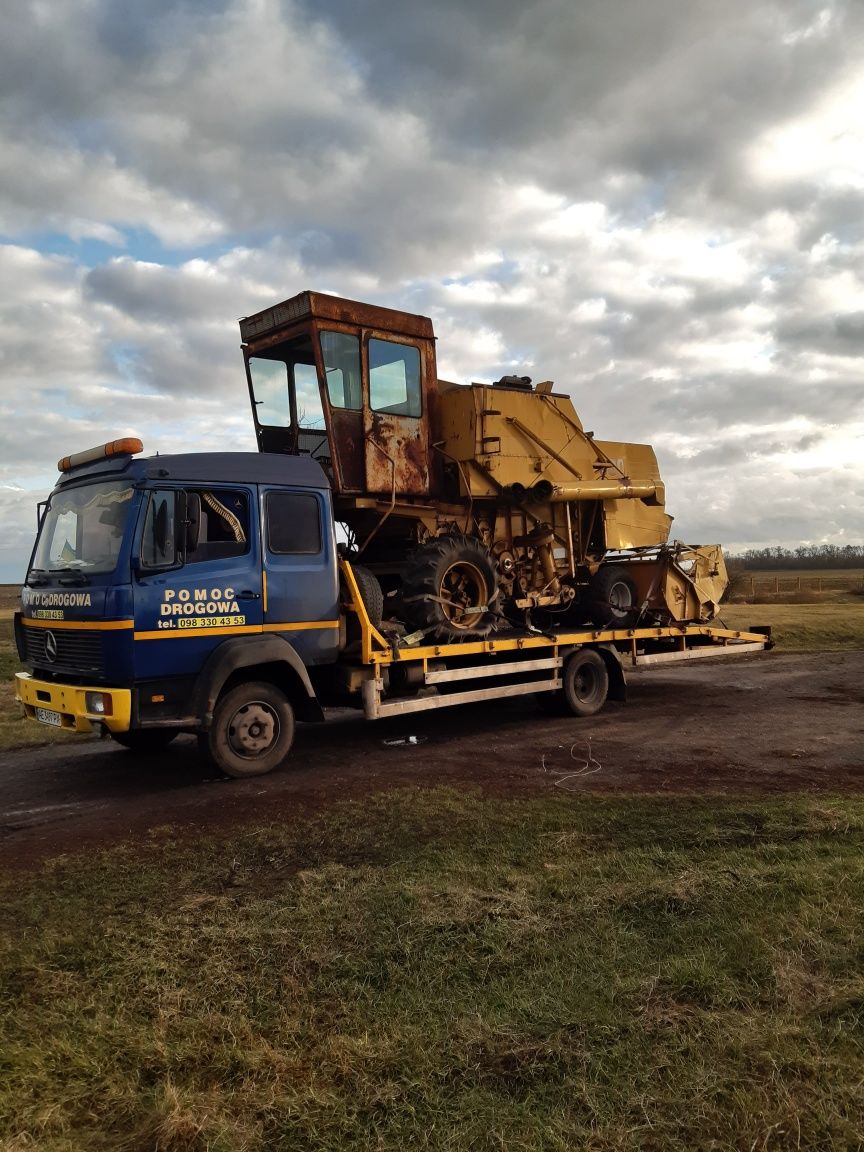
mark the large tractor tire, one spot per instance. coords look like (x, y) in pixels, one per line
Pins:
(612, 600)
(448, 589)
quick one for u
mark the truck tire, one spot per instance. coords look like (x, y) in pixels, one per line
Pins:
(252, 730)
(145, 741)
(371, 593)
(448, 589)
(612, 598)
(585, 683)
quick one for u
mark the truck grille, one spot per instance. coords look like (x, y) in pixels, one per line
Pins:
(76, 650)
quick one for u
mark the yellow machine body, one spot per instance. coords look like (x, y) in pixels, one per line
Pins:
(414, 460)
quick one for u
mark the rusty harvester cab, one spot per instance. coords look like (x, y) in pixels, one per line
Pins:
(469, 505)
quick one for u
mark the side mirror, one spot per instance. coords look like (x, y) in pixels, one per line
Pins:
(160, 529)
(189, 517)
(163, 537)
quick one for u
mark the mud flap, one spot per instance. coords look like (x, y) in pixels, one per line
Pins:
(615, 668)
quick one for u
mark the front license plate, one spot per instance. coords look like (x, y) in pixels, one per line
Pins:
(48, 717)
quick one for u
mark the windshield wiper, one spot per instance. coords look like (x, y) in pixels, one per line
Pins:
(76, 576)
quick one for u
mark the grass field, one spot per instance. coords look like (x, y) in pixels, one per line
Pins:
(434, 970)
(841, 576)
(9, 594)
(430, 970)
(804, 627)
(15, 730)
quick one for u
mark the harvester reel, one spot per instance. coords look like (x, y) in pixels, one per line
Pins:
(449, 589)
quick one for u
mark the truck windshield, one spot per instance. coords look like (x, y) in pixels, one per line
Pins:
(82, 529)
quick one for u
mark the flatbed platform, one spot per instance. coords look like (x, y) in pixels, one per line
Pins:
(526, 662)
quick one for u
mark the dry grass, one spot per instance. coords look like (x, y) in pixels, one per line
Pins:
(9, 596)
(795, 586)
(15, 730)
(434, 971)
(804, 627)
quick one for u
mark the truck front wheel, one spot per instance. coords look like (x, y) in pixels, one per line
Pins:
(252, 730)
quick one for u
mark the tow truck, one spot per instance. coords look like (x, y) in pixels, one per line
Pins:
(209, 594)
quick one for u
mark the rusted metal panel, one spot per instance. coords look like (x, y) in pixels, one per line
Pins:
(396, 454)
(271, 319)
(397, 446)
(370, 316)
(319, 306)
(347, 449)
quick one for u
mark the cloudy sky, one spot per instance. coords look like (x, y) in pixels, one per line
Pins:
(659, 205)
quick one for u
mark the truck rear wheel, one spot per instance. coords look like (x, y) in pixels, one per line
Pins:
(252, 730)
(449, 587)
(585, 683)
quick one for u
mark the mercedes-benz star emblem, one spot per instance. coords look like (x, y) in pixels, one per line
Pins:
(50, 647)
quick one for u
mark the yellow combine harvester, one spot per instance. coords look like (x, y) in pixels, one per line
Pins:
(468, 506)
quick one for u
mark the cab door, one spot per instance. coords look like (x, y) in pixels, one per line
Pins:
(301, 582)
(396, 429)
(198, 577)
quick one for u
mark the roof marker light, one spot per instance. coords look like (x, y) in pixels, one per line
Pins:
(126, 447)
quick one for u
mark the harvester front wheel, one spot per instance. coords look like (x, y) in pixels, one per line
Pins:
(449, 587)
(612, 599)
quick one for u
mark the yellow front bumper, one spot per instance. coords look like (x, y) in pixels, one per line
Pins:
(70, 702)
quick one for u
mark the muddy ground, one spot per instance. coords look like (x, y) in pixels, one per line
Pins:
(757, 725)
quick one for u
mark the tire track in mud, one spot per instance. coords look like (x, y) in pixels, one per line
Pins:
(759, 725)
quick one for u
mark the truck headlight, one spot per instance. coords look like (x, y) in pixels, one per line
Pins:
(98, 703)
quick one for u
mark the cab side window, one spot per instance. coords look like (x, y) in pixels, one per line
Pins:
(394, 378)
(217, 524)
(293, 522)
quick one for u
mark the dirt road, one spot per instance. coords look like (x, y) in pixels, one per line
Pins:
(773, 723)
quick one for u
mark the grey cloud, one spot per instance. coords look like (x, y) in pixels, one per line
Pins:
(850, 329)
(155, 294)
(723, 399)
(136, 33)
(841, 335)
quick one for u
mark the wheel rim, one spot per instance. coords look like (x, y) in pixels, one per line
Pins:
(464, 595)
(585, 682)
(620, 598)
(253, 729)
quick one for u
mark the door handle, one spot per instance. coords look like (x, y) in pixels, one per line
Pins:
(248, 594)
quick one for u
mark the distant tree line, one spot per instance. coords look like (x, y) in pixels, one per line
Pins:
(805, 556)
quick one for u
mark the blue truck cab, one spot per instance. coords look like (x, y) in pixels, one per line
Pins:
(193, 593)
